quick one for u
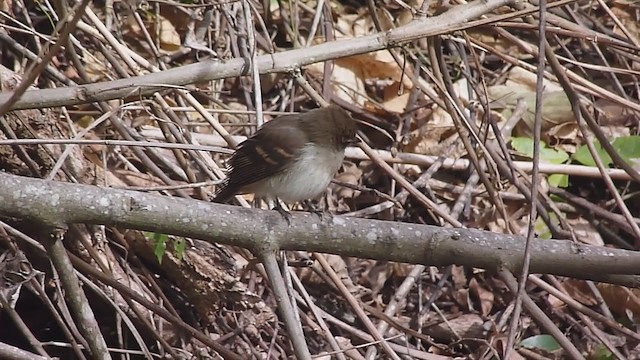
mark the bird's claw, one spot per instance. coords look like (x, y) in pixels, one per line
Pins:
(323, 214)
(284, 213)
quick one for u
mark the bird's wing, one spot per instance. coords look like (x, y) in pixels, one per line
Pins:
(268, 152)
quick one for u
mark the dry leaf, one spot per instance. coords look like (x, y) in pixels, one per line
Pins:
(458, 276)
(428, 139)
(377, 276)
(485, 296)
(95, 66)
(521, 84)
(393, 100)
(462, 298)
(401, 270)
(464, 326)
(563, 137)
(346, 84)
(351, 175)
(519, 77)
(611, 113)
(353, 25)
(556, 108)
(579, 291)
(621, 300)
(555, 303)
(166, 33)
(628, 19)
(376, 65)
(585, 232)
(337, 263)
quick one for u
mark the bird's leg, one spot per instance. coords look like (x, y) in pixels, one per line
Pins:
(323, 213)
(285, 214)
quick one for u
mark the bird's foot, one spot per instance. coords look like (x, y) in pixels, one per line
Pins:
(284, 213)
(323, 214)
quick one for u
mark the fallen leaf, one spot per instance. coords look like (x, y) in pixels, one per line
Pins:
(484, 295)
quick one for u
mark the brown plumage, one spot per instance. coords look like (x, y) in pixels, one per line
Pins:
(292, 157)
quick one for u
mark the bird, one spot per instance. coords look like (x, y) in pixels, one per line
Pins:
(293, 157)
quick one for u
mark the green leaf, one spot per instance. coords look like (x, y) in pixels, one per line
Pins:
(542, 229)
(159, 244)
(627, 146)
(584, 157)
(559, 180)
(553, 156)
(541, 342)
(180, 245)
(602, 353)
(524, 147)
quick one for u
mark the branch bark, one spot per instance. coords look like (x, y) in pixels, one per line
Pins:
(57, 204)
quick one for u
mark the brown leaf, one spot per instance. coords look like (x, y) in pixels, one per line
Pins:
(464, 326)
(484, 296)
(351, 175)
(621, 300)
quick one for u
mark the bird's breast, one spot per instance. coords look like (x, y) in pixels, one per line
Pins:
(308, 176)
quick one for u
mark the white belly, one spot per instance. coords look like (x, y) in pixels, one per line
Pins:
(308, 178)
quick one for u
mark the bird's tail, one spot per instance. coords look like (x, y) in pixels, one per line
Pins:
(224, 193)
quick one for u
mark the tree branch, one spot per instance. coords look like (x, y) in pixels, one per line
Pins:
(57, 204)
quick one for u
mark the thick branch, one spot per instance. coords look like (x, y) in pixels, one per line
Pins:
(57, 204)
